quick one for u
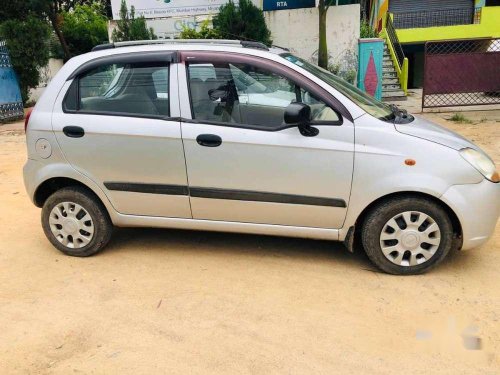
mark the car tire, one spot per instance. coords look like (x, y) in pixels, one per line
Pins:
(407, 235)
(76, 222)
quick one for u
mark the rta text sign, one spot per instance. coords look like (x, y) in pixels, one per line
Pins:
(168, 8)
(288, 4)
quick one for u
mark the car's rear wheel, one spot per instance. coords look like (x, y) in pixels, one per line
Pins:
(76, 222)
(407, 235)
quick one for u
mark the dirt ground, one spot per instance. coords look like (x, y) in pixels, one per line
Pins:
(178, 302)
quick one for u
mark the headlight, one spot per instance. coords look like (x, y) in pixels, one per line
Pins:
(481, 162)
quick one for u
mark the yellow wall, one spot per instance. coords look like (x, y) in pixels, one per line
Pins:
(489, 27)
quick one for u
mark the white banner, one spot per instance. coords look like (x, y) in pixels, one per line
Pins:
(168, 8)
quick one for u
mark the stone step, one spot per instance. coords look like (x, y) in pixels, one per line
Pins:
(393, 94)
(393, 98)
(389, 71)
(390, 81)
(397, 88)
(387, 64)
(391, 87)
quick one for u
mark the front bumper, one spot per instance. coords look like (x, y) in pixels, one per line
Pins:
(477, 207)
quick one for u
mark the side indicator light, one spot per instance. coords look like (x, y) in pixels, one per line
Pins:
(410, 162)
(495, 177)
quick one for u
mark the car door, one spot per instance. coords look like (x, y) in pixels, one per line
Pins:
(244, 164)
(117, 122)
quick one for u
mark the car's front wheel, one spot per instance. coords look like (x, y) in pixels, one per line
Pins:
(76, 222)
(407, 235)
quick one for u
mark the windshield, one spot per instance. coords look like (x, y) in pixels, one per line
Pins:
(371, 105)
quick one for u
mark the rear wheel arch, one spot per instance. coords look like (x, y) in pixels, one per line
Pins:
(50, 186)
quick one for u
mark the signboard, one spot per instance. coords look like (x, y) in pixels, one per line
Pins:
(168, 28)
(288, 4)
(168, 8)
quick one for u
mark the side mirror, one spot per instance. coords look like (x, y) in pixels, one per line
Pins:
(299, 114)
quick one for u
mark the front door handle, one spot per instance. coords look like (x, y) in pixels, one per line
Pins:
(73, 131)
(209, 140)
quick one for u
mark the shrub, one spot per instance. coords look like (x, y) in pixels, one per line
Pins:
(206, 32)
(243, 21)
(131, 28)
(345, 65)
(460, 118)
(27, 44)
(84, 27)
(366, 31)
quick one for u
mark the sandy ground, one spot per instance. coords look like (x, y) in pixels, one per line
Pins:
(167, 301)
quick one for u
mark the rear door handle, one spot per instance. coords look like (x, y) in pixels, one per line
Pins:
(209, 140)
(73, 131)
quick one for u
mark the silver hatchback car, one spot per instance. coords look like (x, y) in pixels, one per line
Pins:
(233, 136)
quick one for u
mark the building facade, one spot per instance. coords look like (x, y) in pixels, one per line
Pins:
(293, 23)
(417, 22)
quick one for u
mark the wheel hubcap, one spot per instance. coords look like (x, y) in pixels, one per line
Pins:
(410, 238)
(71, 225)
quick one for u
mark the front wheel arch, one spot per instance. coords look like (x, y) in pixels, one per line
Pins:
(457, 227)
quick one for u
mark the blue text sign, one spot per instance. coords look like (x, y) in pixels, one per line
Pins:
(288, 4)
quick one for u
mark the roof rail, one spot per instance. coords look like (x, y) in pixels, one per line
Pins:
(225, 42)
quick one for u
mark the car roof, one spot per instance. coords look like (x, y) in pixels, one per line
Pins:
(174, 45)
(239, 43)
(191, 44)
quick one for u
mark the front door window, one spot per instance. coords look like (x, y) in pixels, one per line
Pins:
(242, 95)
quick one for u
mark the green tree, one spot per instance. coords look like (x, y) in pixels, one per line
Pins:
(25, 27)
(243, 21)
(323, 6)
(131, 28)
(206, 32)
(50, 10)
(27, 44)
(84, 27)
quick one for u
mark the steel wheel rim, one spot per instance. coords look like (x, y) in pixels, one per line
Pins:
(410, 238)
(71, 225)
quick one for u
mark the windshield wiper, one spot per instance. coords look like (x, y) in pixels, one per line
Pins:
(400, 115)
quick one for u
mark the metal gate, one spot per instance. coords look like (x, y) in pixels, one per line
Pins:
(461, 73)
(11, 104)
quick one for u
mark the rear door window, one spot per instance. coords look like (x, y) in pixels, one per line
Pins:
(139, 89)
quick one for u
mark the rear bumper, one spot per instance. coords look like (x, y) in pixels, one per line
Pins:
(30, 169)
(477, 207)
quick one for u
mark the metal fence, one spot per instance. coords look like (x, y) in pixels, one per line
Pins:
(461, 73)
(430, 18)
